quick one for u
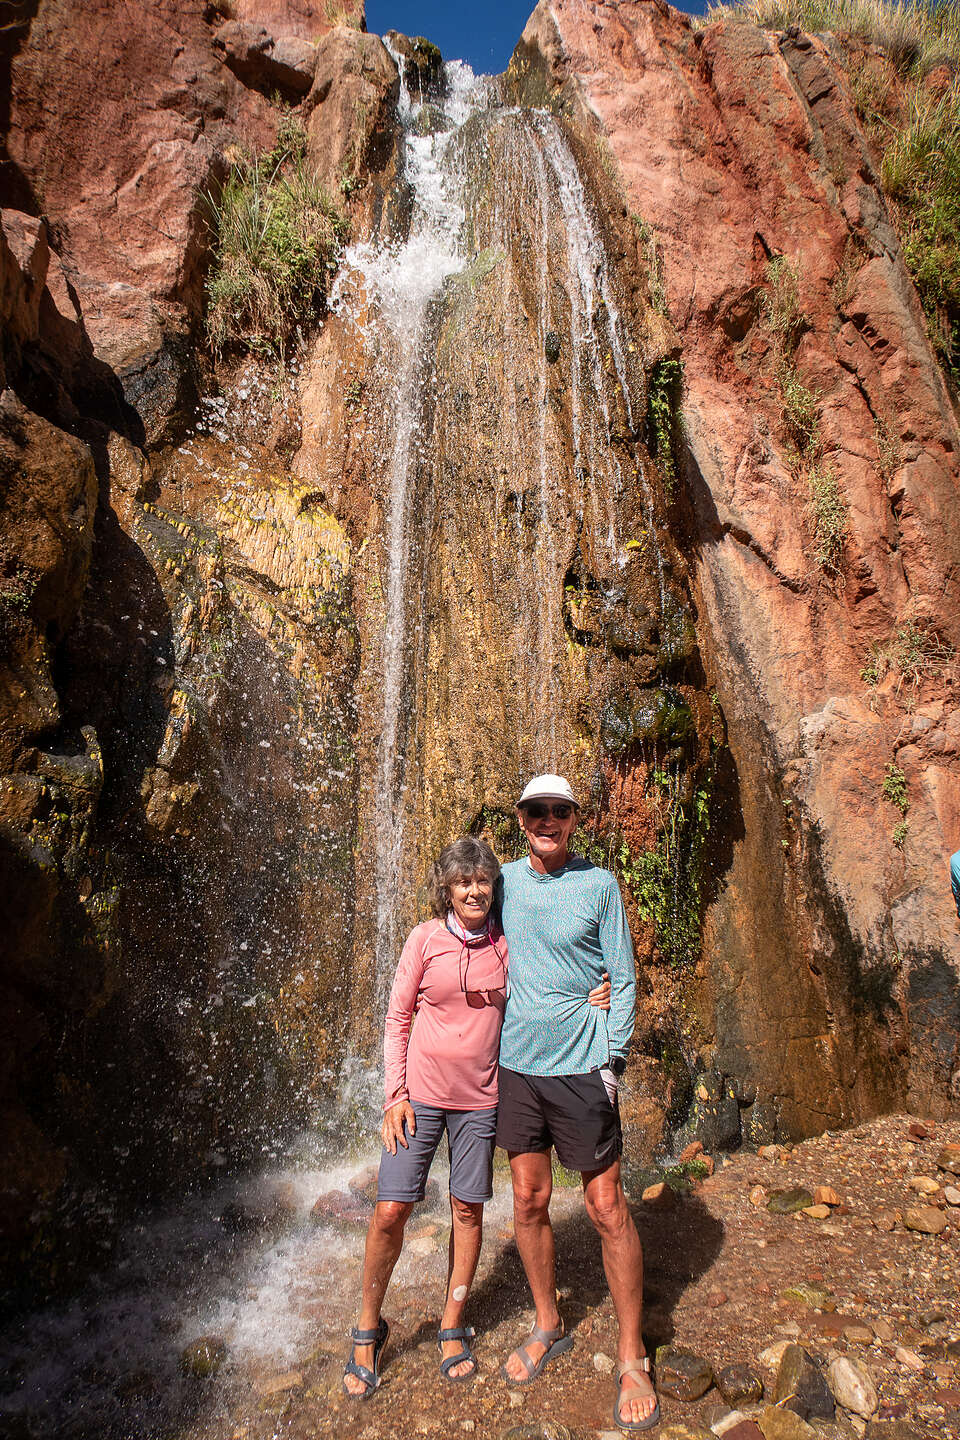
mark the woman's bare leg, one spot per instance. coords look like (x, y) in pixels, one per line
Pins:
(466, 1237)
(384, 1243)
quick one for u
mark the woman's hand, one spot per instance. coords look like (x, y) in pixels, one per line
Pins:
(600, 996)
(393, 1122)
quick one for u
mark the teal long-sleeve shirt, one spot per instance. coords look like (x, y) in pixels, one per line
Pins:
(563, 930)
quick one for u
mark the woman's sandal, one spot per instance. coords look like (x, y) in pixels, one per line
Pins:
(556, 1343)
(464, 1334)
(642, 1366)
(371, 1378)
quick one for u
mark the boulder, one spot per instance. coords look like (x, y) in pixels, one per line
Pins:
(285, 65)
(852, 1386)
(739, 1383)
(682, 1374)
(802, 1385)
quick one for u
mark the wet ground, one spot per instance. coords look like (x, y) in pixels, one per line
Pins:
(250, 1269)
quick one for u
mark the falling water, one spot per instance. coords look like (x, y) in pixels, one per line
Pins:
(403, 280)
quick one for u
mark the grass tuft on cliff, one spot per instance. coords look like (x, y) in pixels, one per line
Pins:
(277, 238)
(908, 99)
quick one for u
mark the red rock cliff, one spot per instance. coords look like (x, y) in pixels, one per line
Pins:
(833, 948)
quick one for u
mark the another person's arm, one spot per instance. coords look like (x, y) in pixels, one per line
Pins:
(398, 1112)
(955, 878)
(618, 958)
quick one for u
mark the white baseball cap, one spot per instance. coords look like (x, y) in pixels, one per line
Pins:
(549, 787)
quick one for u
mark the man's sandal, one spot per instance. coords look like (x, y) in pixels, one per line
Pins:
(641, 1366)
(464, 1335)
(371, 1378)
(556, 1343)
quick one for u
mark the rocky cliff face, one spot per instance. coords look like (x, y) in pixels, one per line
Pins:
(266, 649)
(833, 947)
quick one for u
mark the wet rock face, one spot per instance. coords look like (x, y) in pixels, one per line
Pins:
(833, 950)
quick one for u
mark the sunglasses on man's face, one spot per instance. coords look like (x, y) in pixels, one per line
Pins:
(535, 810)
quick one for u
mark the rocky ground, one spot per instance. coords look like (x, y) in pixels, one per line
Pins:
(727, 1279)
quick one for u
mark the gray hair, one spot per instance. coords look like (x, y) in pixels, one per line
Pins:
(459, 861)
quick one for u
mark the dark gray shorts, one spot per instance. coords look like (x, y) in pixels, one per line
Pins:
(470, 1137)
(572, 1113)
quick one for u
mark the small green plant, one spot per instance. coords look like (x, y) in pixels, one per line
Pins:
(900, 832)
(894, 787)
(653, 261)
(781, 312)
(16, 588)
(890, 48)
(914, 653)
(277, 236)
(801, 409)
(341, 14)
(663, 403)
(828, 510)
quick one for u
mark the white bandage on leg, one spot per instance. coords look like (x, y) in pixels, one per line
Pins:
(460, 1293)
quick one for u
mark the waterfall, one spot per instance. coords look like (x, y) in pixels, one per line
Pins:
(402, 280)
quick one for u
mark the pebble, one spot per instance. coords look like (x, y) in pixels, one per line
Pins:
(817, 1212)
(852, 1386)
(716, 1298)
(277, 1384)
(776, 1424)
(885, 1220)
(659, 1196)
(745, 1429)
(202, 1358)
(883, 1330)
(910, 1358)
(516, 1399)
(923, 1184)
(856, 1334)
(682, 1374)
(685, 1430)
(758, 1196)
(468, 1425)
(889, 1430)
(825, 1195)
(773, 1354)
(925, 1219)
(787, 1202)
(802, 1386)
(691, 1151)
(602, 1363)
(811, 1295)
(739, 1382)
(949, 1159)
(952, 1195)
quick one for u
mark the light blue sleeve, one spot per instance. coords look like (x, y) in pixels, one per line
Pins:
(617, 950)
(955, 878)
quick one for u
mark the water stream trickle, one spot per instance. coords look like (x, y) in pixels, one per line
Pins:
(402, 280)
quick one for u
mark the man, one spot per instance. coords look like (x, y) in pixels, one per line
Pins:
(560, 1060)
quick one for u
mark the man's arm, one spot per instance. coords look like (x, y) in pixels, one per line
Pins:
(955, 878)
(618, 960)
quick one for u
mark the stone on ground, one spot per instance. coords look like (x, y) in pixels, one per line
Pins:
(802, 1386)
(787, 1202)
(925, 1219)
(739, 1383)
(852, 1386)
(203, 1358)
(682, 1374)
(776, 1424)
(685, 1430)
(949, 1159)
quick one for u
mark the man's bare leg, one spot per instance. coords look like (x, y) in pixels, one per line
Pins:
(623, 1266)
(384, 1243)
(466, 1237)
(532, 1187)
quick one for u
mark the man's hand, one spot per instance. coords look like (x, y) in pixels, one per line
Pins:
(600, 995)
(396, 1118)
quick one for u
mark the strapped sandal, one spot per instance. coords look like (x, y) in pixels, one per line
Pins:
(464, 1334)
(642, 1365)
(556, 1343)
(371, 1378)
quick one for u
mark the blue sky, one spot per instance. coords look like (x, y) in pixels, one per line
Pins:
(484, 35)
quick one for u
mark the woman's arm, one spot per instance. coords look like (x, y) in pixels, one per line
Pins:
(400, 1011)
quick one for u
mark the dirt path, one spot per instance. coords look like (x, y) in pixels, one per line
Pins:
(717, 1267)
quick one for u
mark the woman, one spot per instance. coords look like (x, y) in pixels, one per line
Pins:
(441, 1078)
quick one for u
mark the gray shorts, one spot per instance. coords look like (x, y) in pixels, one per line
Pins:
(470, 1135)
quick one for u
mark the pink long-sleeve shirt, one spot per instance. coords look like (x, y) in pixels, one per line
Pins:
(455, 992)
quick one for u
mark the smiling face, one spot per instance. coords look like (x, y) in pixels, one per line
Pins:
(470, 898)
(548, 825)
